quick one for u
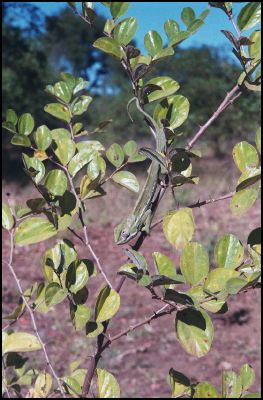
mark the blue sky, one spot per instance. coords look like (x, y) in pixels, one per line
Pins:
(153, 15)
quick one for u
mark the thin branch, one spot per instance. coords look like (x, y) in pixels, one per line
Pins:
(94, 255)
(200, 204)
(165, 310)
(114, 172)
(230, 97)
(31, 313)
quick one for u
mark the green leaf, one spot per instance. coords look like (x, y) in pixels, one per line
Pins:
(59, 111)
(247, 376)
(118, 9)
(108, 45)
(168, 51)
(245, 156)
(254, 49)
(194, 263)
(168, 86)
(81, 105)
(205, 390)
(178, 382)
(74, 384)
(130, 148)
(137, 258)
(229, 252)
(171, 28)
(128, 180)
(21, 140)
(194, 330)
(56, 182)
(217, 279)
(64, 149)
(243, 200)
(179, 37)
(175, 109)
(34, 230)
(115, 155)
(195, 25)
(90, 145)
(249, 16)
(188, 15)
(62, 91)
(20, 342)
(80, 315)
(248, 178)
(199, 296)
(26, 124)
(43, 385)
(11, 117)
(125, 30)
(153, 43)
(252, 396)
(35, 166)
(234, 285)
(43, 137)
(178, 227)
(107, 304)
(89, 188)
(96, 167)
(82, 158)
(54, 294)
(7, 217)
(57, 259)
(9, 127)
(108, 387)
(77, 276)
(258, 139)
(60, 133)
(164, 265)
(231, 385)
(94, 329)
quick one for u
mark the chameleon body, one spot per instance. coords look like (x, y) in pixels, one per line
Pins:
(140, 218)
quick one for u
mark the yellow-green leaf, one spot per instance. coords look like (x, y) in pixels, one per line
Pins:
(43, 137)
(249, 16)
(108, 45)
(107, 305)
(125, 30)
(20, 342)
(178, 227)
(175, 110)
(64, 149)
(26, 124)
(43, 384)
(59, 111)
(195, 331)
(7, 217)
(194, 263)
(243, 200)
(229, 252)
(34, 230)
(205, 390)
(168, 85)
(153, 43)
(245, 156)
(108, 387)
(56, 182)
(128, 180)
(217, 279)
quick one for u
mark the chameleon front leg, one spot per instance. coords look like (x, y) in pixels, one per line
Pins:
(146, 222)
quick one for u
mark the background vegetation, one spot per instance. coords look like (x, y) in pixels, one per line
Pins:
(35, 51)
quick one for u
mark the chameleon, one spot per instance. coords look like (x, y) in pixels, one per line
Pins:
(141, 216)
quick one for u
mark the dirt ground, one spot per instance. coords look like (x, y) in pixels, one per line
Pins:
(141, 360)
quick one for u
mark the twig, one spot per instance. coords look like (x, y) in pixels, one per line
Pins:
(200, 204)
(31, 313)
(94, 255)
(114, 172)
(165, 310)
(230, 97)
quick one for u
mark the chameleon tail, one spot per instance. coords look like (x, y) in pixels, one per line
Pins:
(128, 108)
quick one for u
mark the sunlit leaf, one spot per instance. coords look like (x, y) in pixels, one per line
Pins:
(34, 230)
(107, 305)
(178, 227)
(108, 387)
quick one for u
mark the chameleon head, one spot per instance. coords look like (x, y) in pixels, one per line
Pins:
(124, 231)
